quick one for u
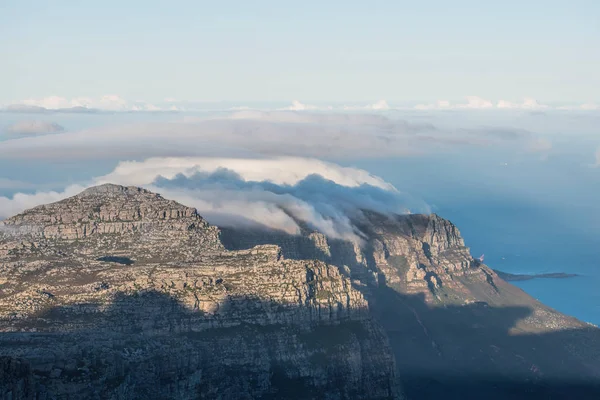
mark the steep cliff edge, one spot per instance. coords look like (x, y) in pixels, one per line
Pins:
(456, 328)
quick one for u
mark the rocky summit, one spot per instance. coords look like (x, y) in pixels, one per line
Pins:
(118, 293)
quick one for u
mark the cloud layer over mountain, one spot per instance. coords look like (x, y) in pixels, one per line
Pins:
(271, 192)
(22, 201)
(259, 167)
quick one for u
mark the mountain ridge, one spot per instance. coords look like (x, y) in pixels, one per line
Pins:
(408, 303)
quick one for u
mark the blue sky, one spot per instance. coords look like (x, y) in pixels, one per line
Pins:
(312, 50)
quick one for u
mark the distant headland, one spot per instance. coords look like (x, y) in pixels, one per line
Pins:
(525, 277)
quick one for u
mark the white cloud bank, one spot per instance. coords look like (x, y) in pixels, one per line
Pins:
(270, 192)
(380, 105)
(109, 102)
(298, 106)
(473, 102)
(115, 103)
(279, 170)
(478, 103)
(527, 104)
(10, 206)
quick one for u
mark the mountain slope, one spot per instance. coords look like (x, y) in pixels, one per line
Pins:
(119, 293)
(453, 324)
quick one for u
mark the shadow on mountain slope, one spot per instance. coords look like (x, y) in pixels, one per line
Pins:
(460, 352)
(470, 351)
(148, 344)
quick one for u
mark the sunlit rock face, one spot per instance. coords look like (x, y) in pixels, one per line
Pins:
(415, 254)
(117, 210)
(120, 293)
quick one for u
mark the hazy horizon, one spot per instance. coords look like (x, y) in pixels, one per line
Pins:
(116, 54)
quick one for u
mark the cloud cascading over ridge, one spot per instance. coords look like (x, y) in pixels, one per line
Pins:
(271, 192)
(258, 166)
(323, 204)
(279, 170)
(262, 167)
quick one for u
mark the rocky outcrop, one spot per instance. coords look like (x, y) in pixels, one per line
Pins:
(115, 210)
(112, 219)
(423, 254)
(415, 253)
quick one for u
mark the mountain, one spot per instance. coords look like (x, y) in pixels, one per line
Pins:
(120, 293)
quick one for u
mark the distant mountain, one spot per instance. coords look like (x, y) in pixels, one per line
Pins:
(24, 108)
(525, 277)
(120, 293)
(29, 109)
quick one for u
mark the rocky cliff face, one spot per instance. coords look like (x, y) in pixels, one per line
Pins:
(456, 329)
(16, 379)
(118, 293)
(425, 254)
(116, 218)
(413, 253)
